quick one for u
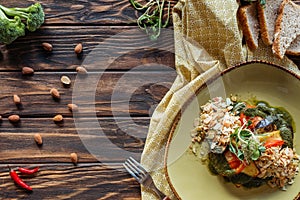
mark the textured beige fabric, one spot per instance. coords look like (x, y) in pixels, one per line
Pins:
(207, 41)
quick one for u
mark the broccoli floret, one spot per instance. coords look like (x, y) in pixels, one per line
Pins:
(10, 29)
(33, 15)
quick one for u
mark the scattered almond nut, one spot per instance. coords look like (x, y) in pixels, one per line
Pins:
(73, 107)
(47, 46)
(14, 118)
(17, 99)
(74, 158)
(81, 70)
(78, 48)
(38, 139)
(55, 94)
(27, 71)
(65, 80)
(58, 118)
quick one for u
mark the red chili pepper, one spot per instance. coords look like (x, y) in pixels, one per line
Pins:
(273, 143)
(18, 180)
(28, 171)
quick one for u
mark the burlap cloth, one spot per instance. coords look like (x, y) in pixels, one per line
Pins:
(207, 40)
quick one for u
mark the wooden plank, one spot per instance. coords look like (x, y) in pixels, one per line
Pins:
(109, 140)
(84, 12)
(103, 94)
(104, 48)
(93, 181)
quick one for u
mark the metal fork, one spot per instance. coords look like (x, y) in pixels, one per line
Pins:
(142, 176)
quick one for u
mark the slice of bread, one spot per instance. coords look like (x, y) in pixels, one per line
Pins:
(294, 48)
(247, 16)
(267, 15)
(287, 27)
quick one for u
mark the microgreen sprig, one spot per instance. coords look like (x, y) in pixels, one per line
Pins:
(245, 145)
(151, 21)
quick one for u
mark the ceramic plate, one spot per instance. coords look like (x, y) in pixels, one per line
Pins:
(189, 178)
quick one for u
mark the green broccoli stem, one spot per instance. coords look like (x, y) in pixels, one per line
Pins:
(26, 10)
(15, 11)
(3, 16)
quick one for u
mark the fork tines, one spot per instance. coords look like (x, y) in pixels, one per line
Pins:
(135, 169)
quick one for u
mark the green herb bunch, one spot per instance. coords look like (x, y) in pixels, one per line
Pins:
(151, 21)
(245, 145)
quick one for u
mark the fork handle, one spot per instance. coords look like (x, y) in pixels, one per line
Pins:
(159, 193)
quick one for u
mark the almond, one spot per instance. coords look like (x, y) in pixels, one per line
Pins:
(73, 107)
(27, 71)
(74, 158)
(14, 118)
(38, 139)
(17, 99)
(47, 46)
(65, 80)
(55, 94)
(78, 48)
(81, 70)
(58, 118)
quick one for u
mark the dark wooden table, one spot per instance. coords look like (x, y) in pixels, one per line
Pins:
(108, 31)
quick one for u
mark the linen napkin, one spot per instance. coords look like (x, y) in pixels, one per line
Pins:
(208, 40)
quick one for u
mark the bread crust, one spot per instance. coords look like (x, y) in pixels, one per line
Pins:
(243, 20)
(264, 33)
(289, 51)
(278, 29)
(292, 53)
(276, 44)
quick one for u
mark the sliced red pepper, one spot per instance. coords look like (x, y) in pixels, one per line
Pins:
(243, 118)
(254, 121)
(273, 143)
(234, 162)
(240, 168)
(230, 157)
(250, 106)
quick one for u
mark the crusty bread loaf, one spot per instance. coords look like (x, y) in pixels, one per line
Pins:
(287, 27)
(267, 15)
(294, 48)
(247, 16)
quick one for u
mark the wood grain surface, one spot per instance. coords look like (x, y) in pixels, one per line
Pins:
(108, 12)
(59, 140)
(101, 49)
(104, 91)
(128, 75)
(85, 181)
